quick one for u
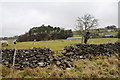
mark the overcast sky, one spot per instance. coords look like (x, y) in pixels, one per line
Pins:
(18, 17)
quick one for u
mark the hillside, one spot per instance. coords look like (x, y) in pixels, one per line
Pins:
(99, 32)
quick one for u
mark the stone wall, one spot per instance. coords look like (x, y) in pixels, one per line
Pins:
(42, 57)
(91, 50)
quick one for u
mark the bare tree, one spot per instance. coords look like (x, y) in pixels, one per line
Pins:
(84, 24)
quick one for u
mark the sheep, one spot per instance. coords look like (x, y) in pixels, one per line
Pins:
(3, 43)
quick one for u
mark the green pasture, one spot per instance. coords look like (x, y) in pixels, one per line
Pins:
(113, 33)
(100, 34)
(57, 44)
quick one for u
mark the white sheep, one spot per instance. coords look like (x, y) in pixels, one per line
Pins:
(3, 43)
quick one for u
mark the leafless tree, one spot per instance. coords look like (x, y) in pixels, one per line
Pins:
(84, 24)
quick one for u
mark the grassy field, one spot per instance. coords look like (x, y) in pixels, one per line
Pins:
(98, 67)
(58, 44)
(113, 33)
(100, 34)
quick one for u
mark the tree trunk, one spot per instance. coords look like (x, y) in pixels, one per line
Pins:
(86, 37)
(85, 40)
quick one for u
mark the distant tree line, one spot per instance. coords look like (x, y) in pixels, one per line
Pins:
(111, 27)
(45, 33)
(7, 38)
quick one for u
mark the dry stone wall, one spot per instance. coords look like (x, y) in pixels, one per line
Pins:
(42, 57)
(90, 50)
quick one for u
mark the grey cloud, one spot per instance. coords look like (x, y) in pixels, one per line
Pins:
(19, 17)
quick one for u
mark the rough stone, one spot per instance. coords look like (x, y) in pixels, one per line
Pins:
(42, 57)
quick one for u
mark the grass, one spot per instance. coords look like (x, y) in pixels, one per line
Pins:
(77, 35)
(113, 33)
(98, 67)
(102, 67)
(100, 34)
(57, 44)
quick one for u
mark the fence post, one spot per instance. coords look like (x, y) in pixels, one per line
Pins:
(14, 54)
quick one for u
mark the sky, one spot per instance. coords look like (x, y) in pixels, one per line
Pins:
(17, 17)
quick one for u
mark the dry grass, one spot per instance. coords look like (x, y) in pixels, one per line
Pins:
(95, 68)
